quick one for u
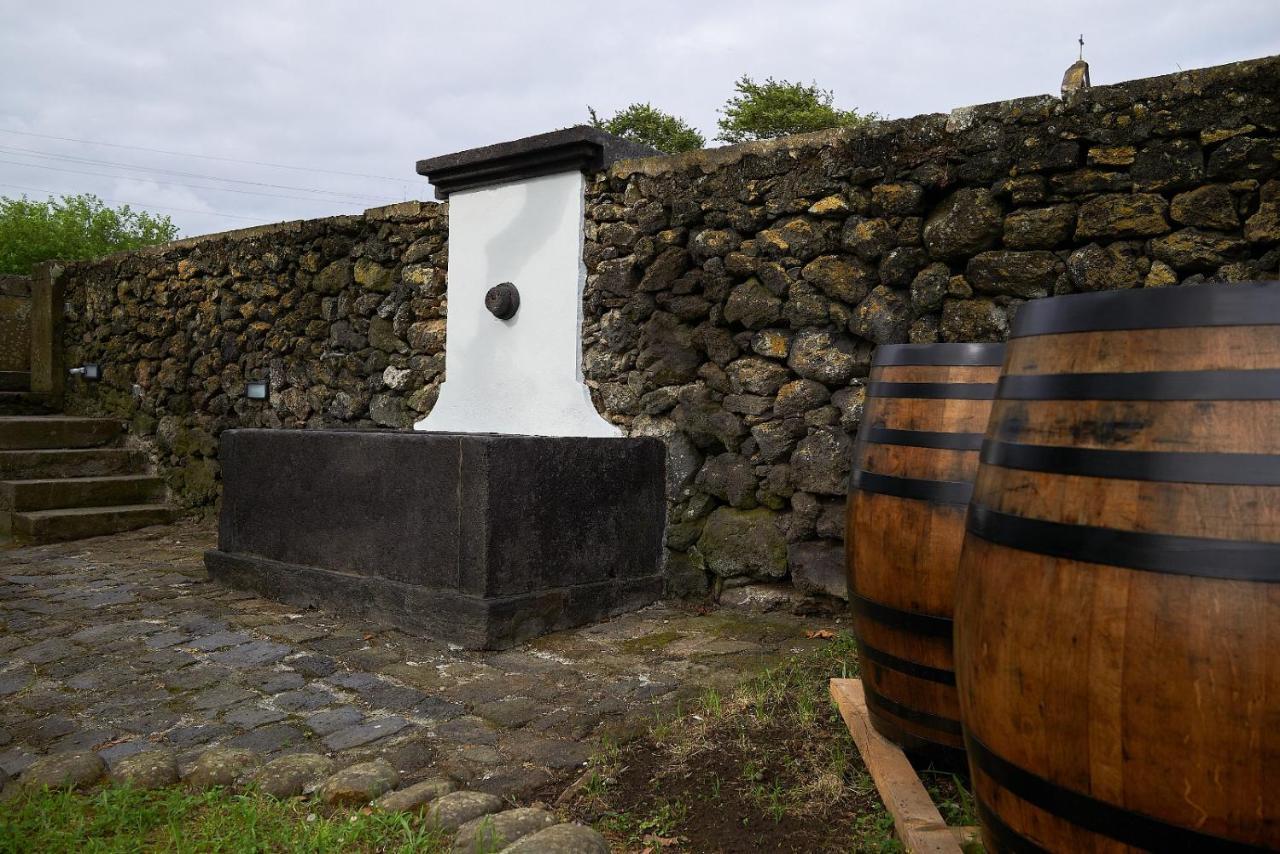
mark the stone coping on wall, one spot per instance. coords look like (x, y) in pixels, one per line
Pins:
(409, 211)
(939, 128)
(1183, 85)
(15, 286)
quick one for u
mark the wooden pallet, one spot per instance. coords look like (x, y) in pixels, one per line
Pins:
(916, 820)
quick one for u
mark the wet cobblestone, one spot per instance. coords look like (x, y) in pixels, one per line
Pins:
(120, 644)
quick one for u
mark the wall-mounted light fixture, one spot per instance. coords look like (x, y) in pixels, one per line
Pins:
(91, 372)
(256, 389)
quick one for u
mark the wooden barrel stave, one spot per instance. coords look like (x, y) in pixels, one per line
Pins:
(1209, 510)
(913, 576)
(1117, 696)
(1194, 348)
(981, 375)
(913, 470)
(918, 463)
(1174, 426)
(946, 417)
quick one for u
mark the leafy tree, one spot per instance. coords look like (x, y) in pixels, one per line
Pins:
(72, 227)
(778, 108)
(649, 125)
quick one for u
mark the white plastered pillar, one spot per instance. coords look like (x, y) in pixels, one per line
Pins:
(522, 375)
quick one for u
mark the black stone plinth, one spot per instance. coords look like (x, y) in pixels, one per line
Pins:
(580, 148)
(477, 539)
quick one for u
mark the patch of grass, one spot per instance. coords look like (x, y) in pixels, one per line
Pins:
(875, 834)
(664, 820)
(124, 819)
(768, 765)
(711, 702)
(952, 796)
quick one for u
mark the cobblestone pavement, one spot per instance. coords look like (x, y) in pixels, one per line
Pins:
(119, 644)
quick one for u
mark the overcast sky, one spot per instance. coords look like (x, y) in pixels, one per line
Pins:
(369, 87)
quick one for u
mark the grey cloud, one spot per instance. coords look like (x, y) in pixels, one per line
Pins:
(371, 87)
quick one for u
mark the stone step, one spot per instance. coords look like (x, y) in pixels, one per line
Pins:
(15, 380)
(24, 403)
(31, 432)
(49, 526)
(73, 462)
(27, 495)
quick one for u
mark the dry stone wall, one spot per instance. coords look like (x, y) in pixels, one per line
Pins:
(735, 296)
(343, 316)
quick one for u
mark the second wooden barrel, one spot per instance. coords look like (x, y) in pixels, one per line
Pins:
(913, 469)
(1118, 610)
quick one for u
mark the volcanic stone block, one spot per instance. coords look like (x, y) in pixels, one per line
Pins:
(478, 539)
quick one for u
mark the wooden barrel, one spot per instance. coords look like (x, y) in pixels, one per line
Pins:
(1118, 608)
(913, 469)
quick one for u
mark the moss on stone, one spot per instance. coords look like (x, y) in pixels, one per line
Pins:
(195, 484)
(651, 642)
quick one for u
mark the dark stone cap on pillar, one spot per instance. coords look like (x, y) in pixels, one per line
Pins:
(581, 147)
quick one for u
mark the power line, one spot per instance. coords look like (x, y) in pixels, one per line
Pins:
(203, 156)
(170, 183)
(31, 152)
(135, 204)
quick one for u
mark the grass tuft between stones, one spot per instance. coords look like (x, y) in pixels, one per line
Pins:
(125, 819)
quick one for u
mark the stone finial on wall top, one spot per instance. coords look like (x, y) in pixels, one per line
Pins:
(1076, 78)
